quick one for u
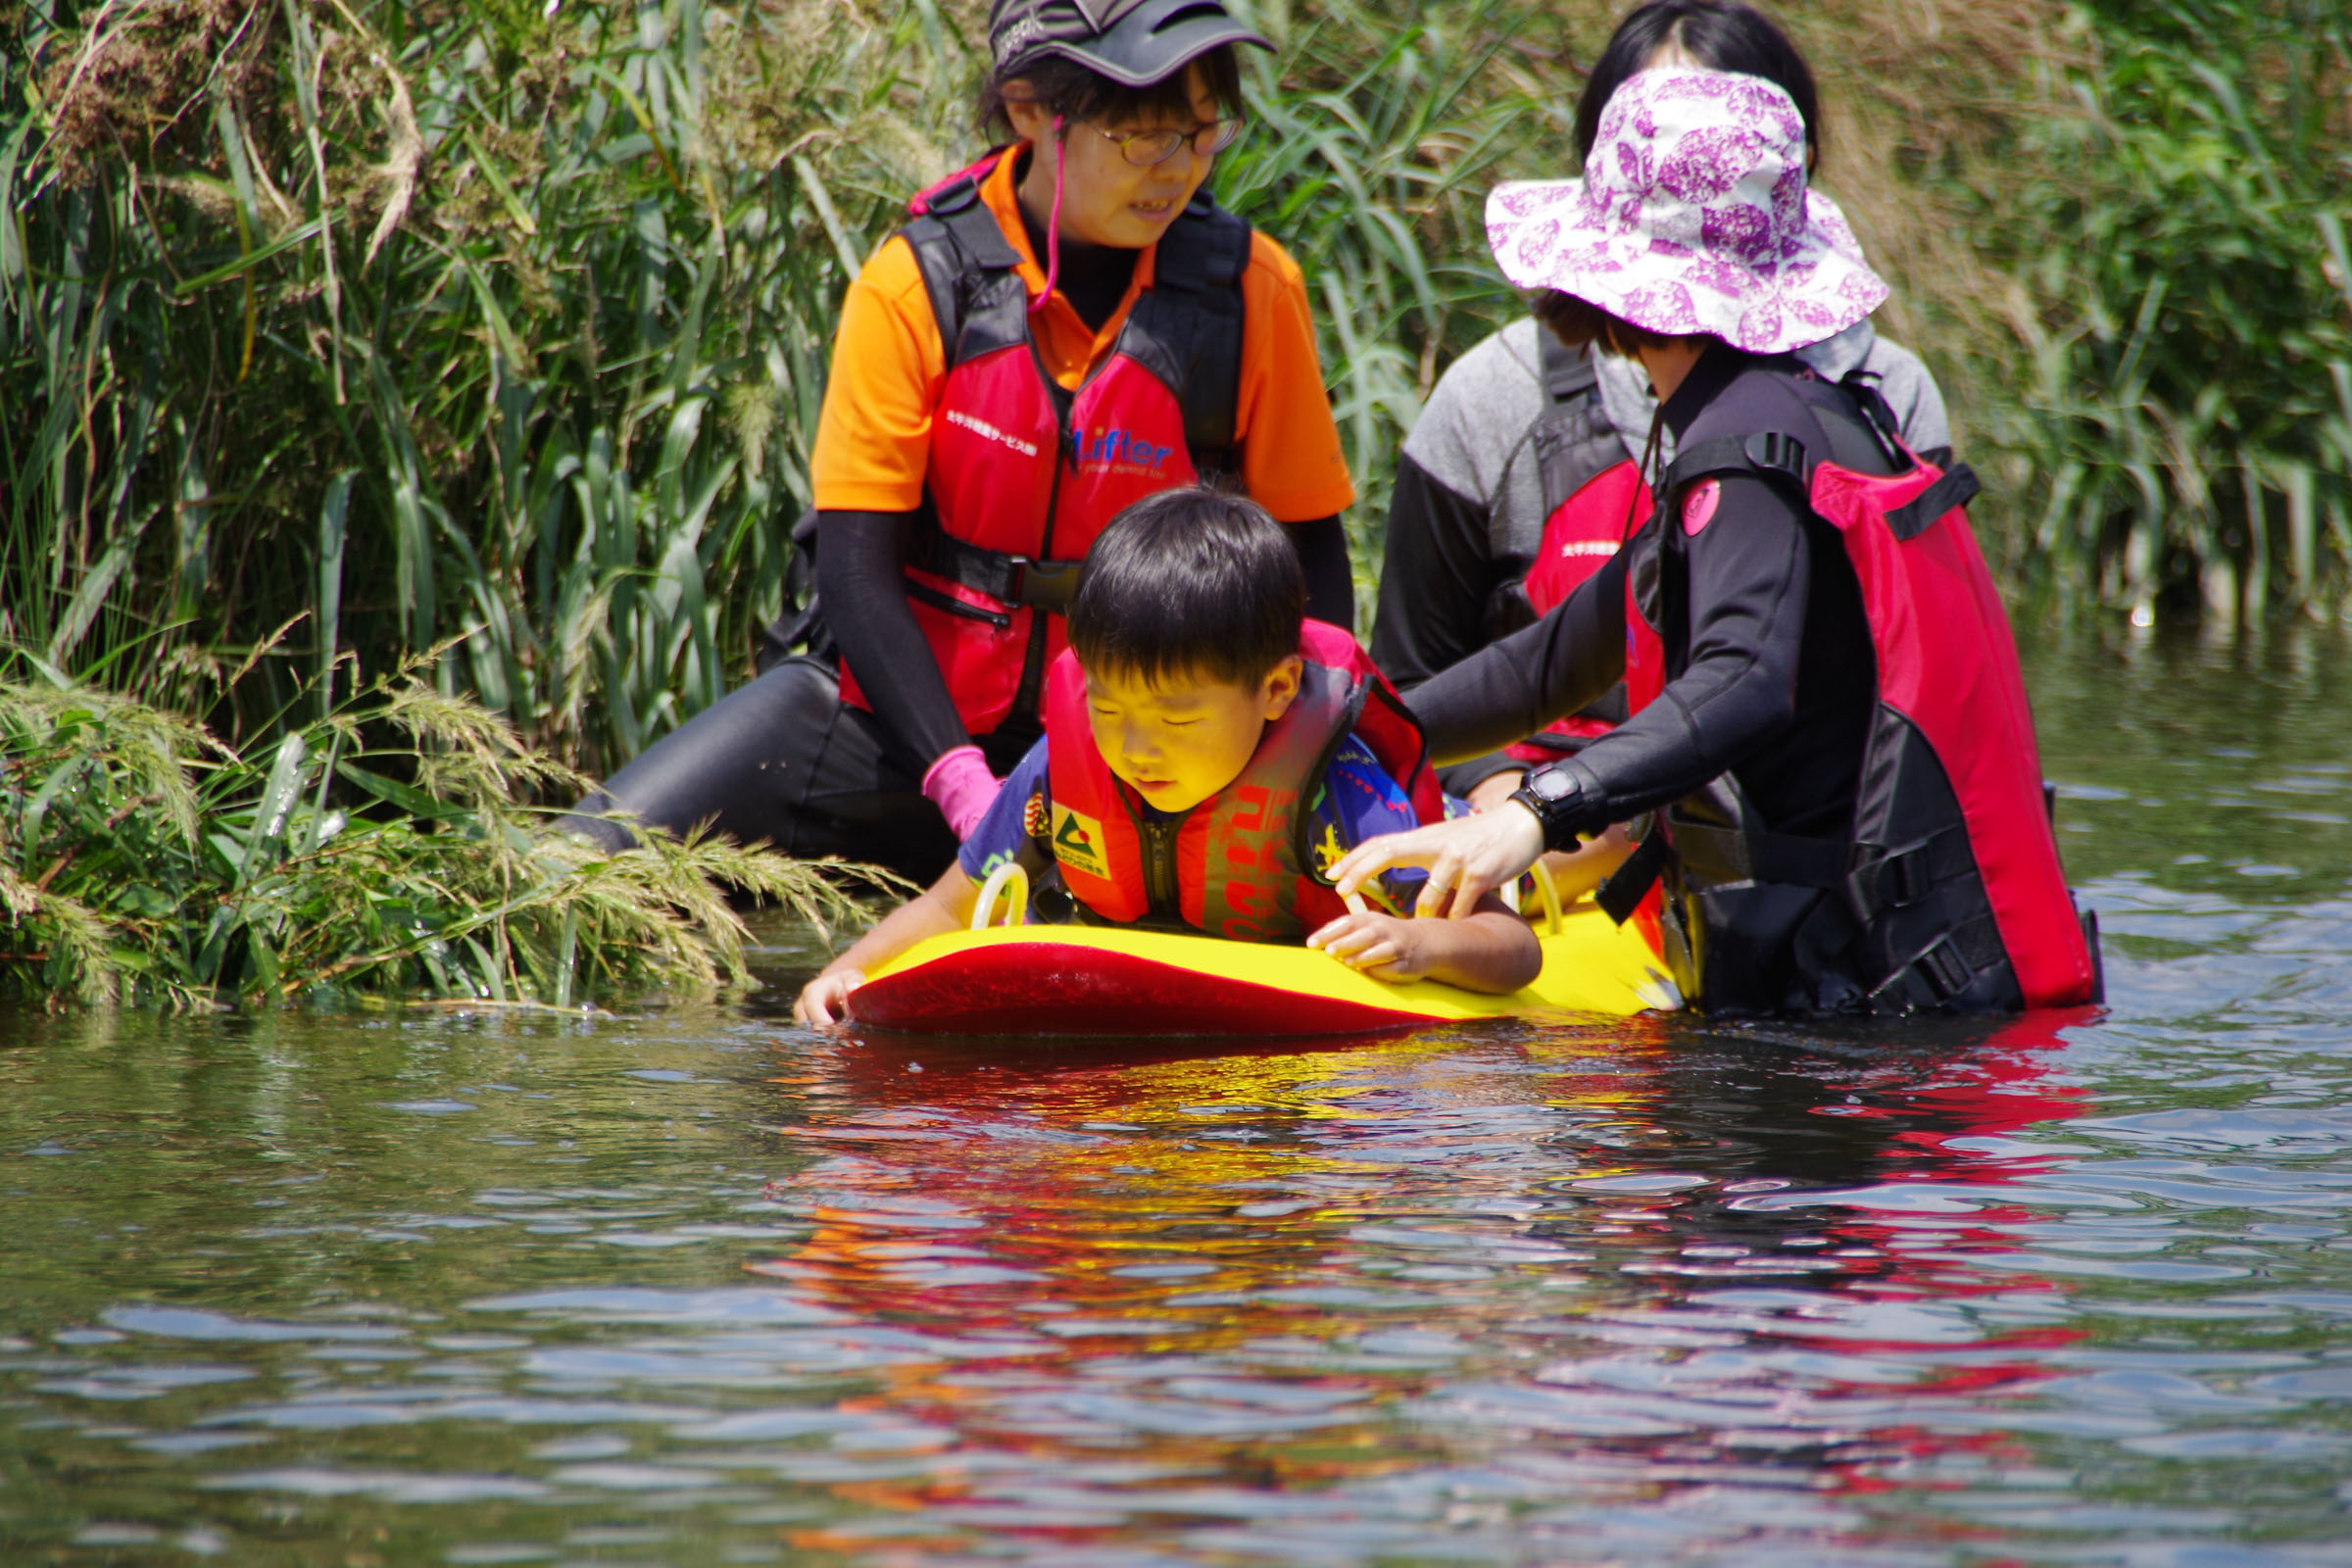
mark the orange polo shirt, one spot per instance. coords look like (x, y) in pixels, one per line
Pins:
(873, 440)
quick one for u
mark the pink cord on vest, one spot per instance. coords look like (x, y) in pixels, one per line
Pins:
(1054, 224)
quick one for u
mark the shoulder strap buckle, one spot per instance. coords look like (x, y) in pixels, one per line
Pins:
(1776, 452)
(1767, 454)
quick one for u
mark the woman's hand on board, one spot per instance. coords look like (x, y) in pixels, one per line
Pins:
(1466, 858)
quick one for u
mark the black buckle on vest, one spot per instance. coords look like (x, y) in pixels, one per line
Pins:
(1935, 977)
(1776, 452)
(1047, 585)
(1912, 874)
(1899, 880)
(1944, 969)
(1902, 877)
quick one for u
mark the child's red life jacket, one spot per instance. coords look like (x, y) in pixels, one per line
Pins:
(1240, 863)
(1022, 475)
(1948, 892)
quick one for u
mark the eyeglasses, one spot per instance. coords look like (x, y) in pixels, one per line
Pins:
(1143, 148)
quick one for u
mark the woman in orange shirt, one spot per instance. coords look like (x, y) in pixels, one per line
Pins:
(1062, 328)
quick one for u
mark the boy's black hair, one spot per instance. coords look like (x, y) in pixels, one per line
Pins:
(1189, 582)
(1717, 35)
(1069, 89)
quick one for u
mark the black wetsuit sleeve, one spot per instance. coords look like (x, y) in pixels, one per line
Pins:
(1512, 688)
(1322, 546)
(861, 582)
(1434, 579)
(1750, 576)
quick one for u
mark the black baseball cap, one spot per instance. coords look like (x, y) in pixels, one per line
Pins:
(1133, 42)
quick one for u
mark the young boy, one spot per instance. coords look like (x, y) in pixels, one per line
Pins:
(1208, 752)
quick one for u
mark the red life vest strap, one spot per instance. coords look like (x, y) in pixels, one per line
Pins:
(1957, 488)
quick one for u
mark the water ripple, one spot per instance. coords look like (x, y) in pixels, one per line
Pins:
(693, 1286)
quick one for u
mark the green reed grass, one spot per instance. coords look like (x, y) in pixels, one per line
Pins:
(486, 323)
(2182, 419)
(1375, 137)
(493, 325)
(507, 326)
(141, 860)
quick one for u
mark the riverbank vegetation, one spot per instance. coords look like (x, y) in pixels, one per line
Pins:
(142, 860)
(2171, 224)
(492, 335)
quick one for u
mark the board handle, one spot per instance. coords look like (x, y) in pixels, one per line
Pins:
(1549, 895)
(1008, 876)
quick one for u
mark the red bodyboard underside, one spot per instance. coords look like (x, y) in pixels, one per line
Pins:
(1053, 989)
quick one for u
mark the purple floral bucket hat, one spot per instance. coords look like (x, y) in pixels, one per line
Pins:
(1692, 216)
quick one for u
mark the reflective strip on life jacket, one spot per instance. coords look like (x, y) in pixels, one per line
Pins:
(1584, 532)
(1238, 864)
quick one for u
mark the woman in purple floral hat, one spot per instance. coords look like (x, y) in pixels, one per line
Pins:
(1512, 487)
(1829, 758)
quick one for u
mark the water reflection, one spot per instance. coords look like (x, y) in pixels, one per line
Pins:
(1630, 1268)
(693, 1288)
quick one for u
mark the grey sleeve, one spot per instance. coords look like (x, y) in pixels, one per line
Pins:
(1472, 437)
(1911, 391)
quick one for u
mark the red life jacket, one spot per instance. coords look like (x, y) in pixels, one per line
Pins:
(1240, 863)
(1948, 892)
(1024, 474)
(1592, 499)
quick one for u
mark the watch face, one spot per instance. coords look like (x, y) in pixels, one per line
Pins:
(1552, 785)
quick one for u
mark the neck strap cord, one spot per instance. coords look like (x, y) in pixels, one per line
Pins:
(1054, 224)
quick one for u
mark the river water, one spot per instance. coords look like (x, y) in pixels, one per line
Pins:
(688, 1285)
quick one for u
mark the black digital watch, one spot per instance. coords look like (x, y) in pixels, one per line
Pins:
(1555, 796)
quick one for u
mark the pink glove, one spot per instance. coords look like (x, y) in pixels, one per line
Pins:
(960, 785)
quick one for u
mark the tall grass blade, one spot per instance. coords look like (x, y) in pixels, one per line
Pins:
(334, 513)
